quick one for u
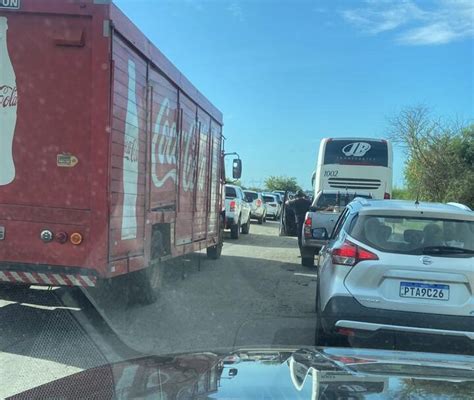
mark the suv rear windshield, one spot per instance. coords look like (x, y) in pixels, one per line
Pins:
(252, 195)
(269, 199)
(415, 235)
(335, 201)
(230, 192)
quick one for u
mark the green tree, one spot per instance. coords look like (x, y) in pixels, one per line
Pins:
(282, 183)
(401, 194)
(440, 156)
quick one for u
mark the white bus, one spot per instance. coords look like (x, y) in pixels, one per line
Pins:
(360, 165)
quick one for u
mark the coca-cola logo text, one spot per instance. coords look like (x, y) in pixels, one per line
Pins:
(164, 154)
(8, 96)
(164, 144)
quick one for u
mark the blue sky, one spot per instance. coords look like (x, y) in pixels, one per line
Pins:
(287, 73)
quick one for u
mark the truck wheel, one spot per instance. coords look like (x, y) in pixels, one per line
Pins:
(260, 220)
(246, 228)
(144, 285)
(235, 230)
(214, 252)
(307, 261)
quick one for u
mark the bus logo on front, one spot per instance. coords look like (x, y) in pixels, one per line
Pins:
(13, 4)
(356, 149)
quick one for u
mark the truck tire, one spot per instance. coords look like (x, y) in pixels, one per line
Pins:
(246, 227)
(235, 230)
(307, 261)
(214, 252)
(260, 220)
(144, 285)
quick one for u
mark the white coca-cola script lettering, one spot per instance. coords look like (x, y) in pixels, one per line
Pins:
(164, 151)
(8, 96)
(188, 160)
(164, 147)
(8, 108)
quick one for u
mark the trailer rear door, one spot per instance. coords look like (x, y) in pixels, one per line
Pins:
(51, 59)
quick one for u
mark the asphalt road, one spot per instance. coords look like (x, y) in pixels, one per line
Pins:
(256, 294)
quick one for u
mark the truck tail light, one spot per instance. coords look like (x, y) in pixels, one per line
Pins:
(76, 238)
(62, 237)
(308, 223)
(258, 202)
(386, 196)
(232, 205)
(350, 254)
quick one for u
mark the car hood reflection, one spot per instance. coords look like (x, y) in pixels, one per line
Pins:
(272, 373)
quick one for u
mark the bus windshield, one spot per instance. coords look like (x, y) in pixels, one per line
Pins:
(354, 152)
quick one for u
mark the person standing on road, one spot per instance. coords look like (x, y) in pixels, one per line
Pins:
(300, 207)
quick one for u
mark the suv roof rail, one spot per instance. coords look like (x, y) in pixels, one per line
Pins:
(459, 205)
(362, 200)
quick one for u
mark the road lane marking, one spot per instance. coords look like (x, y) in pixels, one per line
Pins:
(308, 275)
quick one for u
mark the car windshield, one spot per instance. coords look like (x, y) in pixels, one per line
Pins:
(415, 236)
(192, 191)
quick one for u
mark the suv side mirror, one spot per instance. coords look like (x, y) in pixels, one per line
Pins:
(320, 234)
(237, 168)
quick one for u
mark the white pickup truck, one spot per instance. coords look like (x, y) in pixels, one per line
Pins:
(237, 211)
(320, 221)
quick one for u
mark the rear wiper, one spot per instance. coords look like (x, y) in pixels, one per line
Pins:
(445, 250)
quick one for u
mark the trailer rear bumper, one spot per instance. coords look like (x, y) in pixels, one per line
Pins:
(46, 275)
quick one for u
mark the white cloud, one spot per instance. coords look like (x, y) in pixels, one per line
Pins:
(445, 21)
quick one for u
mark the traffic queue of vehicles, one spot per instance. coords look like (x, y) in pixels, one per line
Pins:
(241, 206)
(346, 168)
(385, 268)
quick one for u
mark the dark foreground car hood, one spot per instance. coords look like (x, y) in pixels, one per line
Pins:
(273, 374)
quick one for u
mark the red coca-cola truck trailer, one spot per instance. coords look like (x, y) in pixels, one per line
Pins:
(110, 158)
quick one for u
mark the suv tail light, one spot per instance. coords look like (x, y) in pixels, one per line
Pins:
(386, 196)
(350, 254)
(232, 205)
(258, 202)
(308, 222)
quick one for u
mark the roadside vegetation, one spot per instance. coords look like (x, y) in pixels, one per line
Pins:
(440, 157)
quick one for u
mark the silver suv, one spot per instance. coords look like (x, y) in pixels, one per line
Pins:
(398, 267)
(258, 209)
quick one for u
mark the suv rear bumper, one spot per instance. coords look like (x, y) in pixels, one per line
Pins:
(346, 312)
